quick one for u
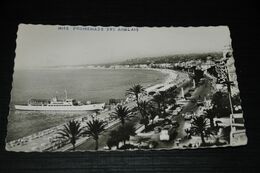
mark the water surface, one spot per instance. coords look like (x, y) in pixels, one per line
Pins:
(96, 85)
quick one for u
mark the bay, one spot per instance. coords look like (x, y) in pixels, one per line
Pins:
(96, 85)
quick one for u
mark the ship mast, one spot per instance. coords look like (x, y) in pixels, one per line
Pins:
(65, 94)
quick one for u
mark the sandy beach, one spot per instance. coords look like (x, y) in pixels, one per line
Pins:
(174, 78)
(41, 141)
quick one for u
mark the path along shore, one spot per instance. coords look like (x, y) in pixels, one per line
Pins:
(41, 141)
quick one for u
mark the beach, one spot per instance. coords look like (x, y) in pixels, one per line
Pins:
(81, 84)
(174, 78)
(31, 142)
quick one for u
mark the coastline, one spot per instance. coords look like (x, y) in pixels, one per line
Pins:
(41, 120)
(173, 78)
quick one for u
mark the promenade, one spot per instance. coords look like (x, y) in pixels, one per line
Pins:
(44, 140)
(175, 79)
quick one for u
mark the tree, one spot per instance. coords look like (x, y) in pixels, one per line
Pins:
(144, 107)
(199, 126)
(123, 133)
(164, 100)
(114, 139)
(152, 113)
(94, 128)
(135, 91)
(171, 94)
(221, 104)
(121, 112)
(236, 100)
(144, 121)
(71, 131)
(212, 71)
(188, 132)
(158, 100)
(198, 75)
(161, 100)
(210, 115)
(126, 131)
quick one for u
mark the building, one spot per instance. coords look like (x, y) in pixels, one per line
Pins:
(238, 131)
(231, 69)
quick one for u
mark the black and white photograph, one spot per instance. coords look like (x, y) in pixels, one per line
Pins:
(115, 88)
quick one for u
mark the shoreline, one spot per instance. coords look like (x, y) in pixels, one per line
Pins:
(173, 78)
(158, 78)
(12, 112)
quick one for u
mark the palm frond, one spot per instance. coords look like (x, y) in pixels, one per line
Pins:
(71, 131)
(135, 90)
(199, 124)
(94, 128)
(121, 112)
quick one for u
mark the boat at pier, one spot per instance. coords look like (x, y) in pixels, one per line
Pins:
(55, 104)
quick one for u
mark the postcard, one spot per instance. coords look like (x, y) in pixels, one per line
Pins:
(116, 88)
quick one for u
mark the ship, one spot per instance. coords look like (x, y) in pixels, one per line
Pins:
(56, 104)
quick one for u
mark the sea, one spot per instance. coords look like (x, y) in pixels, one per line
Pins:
(95, 85)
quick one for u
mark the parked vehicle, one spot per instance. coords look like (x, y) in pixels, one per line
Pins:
(188, 115)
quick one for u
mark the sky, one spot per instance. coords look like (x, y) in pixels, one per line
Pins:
(54, 45)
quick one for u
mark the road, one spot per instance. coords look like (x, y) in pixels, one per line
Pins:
(202, 91)
(90, 144)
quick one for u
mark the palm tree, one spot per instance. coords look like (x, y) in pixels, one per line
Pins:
(199, 126)
(152, 113)
(221, 105)
(188, 132)
(71, 131)
(210, 115)
(121, 112)
(94, 129)
(143, 111)
(164, 98)
(135, 91)
(171, 95)
(160, 99)
(144, 106)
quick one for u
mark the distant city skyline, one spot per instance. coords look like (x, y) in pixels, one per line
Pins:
(47, 45)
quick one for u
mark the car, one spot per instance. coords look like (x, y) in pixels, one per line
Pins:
(188, 95)
(175, 113)
(191, 90)
(175, 124)
(178, 109)
(193, 100)
(188, 115)
(200, 103)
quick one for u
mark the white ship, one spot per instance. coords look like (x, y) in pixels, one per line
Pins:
(59, 105)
